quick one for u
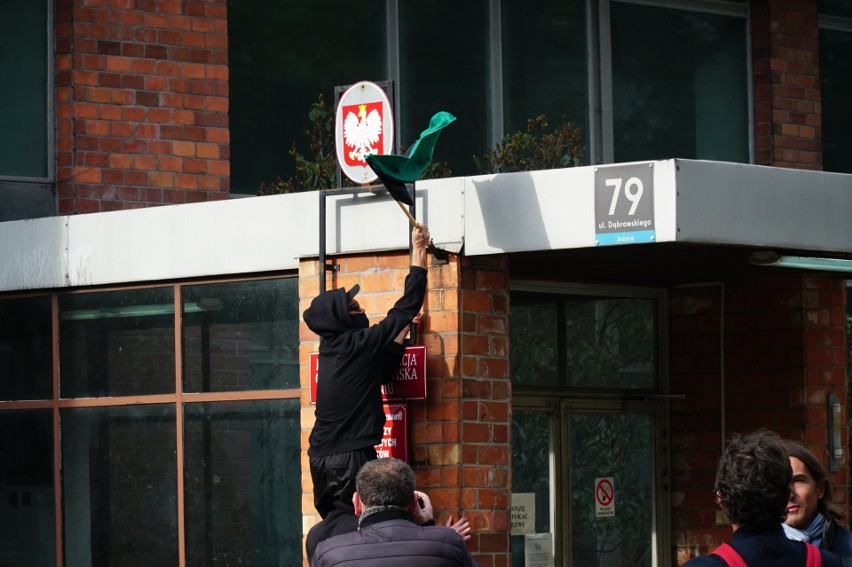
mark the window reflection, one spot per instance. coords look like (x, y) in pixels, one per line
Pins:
(119, 486)
(117, 343)
(536, 80)
(679, 94)
(617, 447)
(25, 349)
(241, 336)
(243, 495)
(583, 341)
(445, 67)
(835, 53)
(531, 470)
(27, 510)
(281, 57)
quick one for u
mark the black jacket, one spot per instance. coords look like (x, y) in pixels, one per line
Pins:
(391, 539)
(766, 549)
(353, 363)
(838, 540)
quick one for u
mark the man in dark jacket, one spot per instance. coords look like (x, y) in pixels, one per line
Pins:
(354, 360)
(812, 515)
(753, 489)
(393, 527)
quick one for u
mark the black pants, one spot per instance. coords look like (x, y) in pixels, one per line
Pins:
(334, 479)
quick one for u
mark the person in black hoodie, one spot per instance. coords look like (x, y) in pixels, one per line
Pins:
(355, 359)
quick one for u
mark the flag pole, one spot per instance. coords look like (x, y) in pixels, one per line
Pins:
(411, 219)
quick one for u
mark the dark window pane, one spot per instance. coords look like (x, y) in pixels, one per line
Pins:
(841, 8)
(445, 67)
(534, 337)
(682, 94)
(25, 349)
(531, 454)
(544, 63)
(835, 54)
(24, 100)
(117, 343)
(282, 55)
(242, 483)
(582, 341)
(610, 343)
(241, 336)
(27, 508)
(120, 486)
(619, 447)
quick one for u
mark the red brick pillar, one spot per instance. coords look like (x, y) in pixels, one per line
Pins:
(696, 359)
(486, 405)
(141, 103)
(787, 112)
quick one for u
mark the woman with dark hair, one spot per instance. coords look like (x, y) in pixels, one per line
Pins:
(812, 515)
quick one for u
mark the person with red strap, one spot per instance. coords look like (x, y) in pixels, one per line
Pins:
(753, 490)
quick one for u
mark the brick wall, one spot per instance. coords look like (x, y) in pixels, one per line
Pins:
(787, 111)
(459, 436)
(783, 354)
(141, 103)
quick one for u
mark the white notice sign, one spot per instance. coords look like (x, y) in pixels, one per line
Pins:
(604, 497)
(538, 550)
(523, 513)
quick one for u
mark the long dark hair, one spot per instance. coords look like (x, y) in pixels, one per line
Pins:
(825, 505)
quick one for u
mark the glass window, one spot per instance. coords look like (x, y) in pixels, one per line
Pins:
(27, 509)
(583, 342)
(241, 336)
(242, 491)
(532, 470)
(445, 67)
(679, 94)
(835, 53)
(841, 8)
(281, 57)
(618, 448)
(548, 75)
(535, 339)
(25, 349)
(119, 486)
(24, 100)
(117, 343)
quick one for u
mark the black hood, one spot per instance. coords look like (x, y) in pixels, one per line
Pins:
(328, 316)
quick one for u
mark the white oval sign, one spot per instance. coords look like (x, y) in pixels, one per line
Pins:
(363, 126)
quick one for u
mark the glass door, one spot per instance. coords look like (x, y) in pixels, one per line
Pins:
(586, 482)
(589, 423)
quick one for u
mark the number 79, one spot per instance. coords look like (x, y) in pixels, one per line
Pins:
(632, 190)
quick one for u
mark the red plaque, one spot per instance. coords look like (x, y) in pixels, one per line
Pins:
(395, 436)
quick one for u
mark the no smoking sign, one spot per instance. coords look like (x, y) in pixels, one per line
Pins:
(604, 497)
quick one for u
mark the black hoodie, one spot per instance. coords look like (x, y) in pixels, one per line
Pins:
(353, 364)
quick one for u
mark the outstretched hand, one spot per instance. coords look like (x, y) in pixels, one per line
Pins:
(420, 240)
(461, 526)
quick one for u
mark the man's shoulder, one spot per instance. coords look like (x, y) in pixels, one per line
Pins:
(391, 540)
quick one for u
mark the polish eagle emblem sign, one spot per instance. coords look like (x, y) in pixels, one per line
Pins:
(363, 127)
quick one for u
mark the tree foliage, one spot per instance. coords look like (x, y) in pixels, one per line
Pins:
(539, 147)
(536, 148)
(320, 170)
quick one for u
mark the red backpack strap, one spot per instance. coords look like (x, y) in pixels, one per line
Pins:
(814, 557)
(730, 556)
